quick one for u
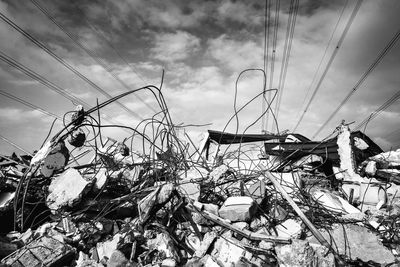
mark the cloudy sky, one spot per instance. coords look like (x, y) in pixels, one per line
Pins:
(202, 46)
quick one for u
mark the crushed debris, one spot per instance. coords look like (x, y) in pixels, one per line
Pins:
(157, 199)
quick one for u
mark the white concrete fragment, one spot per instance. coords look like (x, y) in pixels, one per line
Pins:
(345, 154)
(333, 202)
(101, 179)
(370, 169)
(105, 249)
(360, 143)
(289, 228)
(66, 190)
(392, 157)
(226, 252)
(238, 209)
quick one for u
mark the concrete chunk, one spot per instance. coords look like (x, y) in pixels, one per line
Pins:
(358, 242)
(238, 209)
(44, 251)
(67, 189)
(300, 253)
(227, 253)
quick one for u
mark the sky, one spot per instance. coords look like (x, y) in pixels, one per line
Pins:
(202, 47)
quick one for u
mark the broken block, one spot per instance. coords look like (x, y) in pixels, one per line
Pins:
(164, 244)
(227, 253)
(44, 251)
(300, 253)
(67, 189)
(51, 157)
(238, 209)
(357, 242)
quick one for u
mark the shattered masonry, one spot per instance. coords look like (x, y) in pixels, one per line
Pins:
(158, 199)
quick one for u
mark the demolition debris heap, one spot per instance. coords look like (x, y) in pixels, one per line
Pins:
(157, 199)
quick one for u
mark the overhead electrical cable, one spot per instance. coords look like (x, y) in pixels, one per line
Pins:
(104, 38)
(265, 58)
(12, 62)
(383, 107)
(325, 52)
(331, 59)
(26, 103)
(273, 54)
(63, 62)
(293, 10)
(14, 145)
(30, 73)
(375, 63)
(75, 39)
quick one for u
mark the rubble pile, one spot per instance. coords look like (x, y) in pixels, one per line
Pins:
(235, 200)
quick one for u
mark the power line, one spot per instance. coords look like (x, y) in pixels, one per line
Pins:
(102, 36)
(331, 59)
(63, 62)
(293, 10)
(30, 73)
(381, 55)
(12, 62)
(265, 66)
(26, 103)
(325, 52)
(15, 145)
(274, 40)
(75, 40)
(383, 107)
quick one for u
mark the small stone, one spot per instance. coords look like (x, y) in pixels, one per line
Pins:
(370, 169)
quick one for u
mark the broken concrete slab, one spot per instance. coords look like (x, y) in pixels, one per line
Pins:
(205, 244)
(44, 251)
(226, 252)
(51, 157)
(300, 253)
(355, 242)
(333, 202)
(164, 245)
(67, 189)
(117, 259)
(238, 209)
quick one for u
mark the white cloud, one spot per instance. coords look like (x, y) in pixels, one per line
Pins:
(237, 55)
(170, 47)
(240, 11)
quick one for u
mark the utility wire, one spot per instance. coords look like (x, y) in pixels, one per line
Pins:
(381, 55)
(331, 59)
(293, 10)
(75, 39)
(14, 145)
(10, 61)
(383, 107)
(274, 40)
(266, 44)
(26, 103)
(63, 62)
(102, 36)
(325, 52)
(30, 73)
